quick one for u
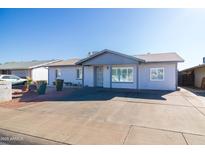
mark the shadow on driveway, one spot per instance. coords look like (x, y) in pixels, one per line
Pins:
(91, 94)
(196, 91)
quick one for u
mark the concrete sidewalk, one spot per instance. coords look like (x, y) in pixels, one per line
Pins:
(177, 118)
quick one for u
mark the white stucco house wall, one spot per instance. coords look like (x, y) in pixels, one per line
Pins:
(66, 70)
(110, 69)
(36, 70)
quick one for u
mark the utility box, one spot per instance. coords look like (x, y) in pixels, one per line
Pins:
(5, 91)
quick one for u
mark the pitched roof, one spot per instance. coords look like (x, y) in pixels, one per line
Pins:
(69, 62)
(25, 64)
(192, 68)
(161, 57)
(109, 51)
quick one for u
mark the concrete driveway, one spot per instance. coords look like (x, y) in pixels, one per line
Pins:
(96, 116)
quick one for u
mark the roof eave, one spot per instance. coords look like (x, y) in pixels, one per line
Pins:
(14, 68)
(164, 61)
(61, 65)
(44, 64)
(192, 68)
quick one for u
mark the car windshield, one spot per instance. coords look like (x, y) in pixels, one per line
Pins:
(5, 77)
(14, 77)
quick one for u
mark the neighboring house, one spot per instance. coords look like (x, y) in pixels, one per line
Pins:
(36, 70)
(110, 69)
(66, 70)
(192, 76)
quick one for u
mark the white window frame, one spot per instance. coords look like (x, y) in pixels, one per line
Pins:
(80, 71)
(157, 68)
(121, 67)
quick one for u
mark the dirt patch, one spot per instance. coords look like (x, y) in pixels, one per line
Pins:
(14, 105)
(19, 99)
(50, 95)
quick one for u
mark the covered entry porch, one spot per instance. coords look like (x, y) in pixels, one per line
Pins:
(108, 69)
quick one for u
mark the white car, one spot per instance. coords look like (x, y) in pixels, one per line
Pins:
(13, 79)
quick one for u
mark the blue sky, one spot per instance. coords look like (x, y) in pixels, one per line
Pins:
(37, 34)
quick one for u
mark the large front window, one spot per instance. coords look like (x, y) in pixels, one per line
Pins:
(122, 74)
(156, 74)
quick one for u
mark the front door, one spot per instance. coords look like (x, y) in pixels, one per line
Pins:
(99, 76)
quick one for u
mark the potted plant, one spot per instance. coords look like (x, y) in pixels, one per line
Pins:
(59, 84)
(27, 84)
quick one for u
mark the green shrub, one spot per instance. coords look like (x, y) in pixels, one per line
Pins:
(59, 84)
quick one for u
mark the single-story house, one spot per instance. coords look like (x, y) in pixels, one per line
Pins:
(67, 70)
(193, 76)
(36, 70)
(110, 69)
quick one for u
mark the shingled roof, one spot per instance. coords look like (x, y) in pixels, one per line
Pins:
(160, 57)
(25, 64)
(69, 62)
(108, 51)
(194, 67)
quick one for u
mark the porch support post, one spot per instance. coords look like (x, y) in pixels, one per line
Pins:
(83, 75)
(110, 76)
(137, 76)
